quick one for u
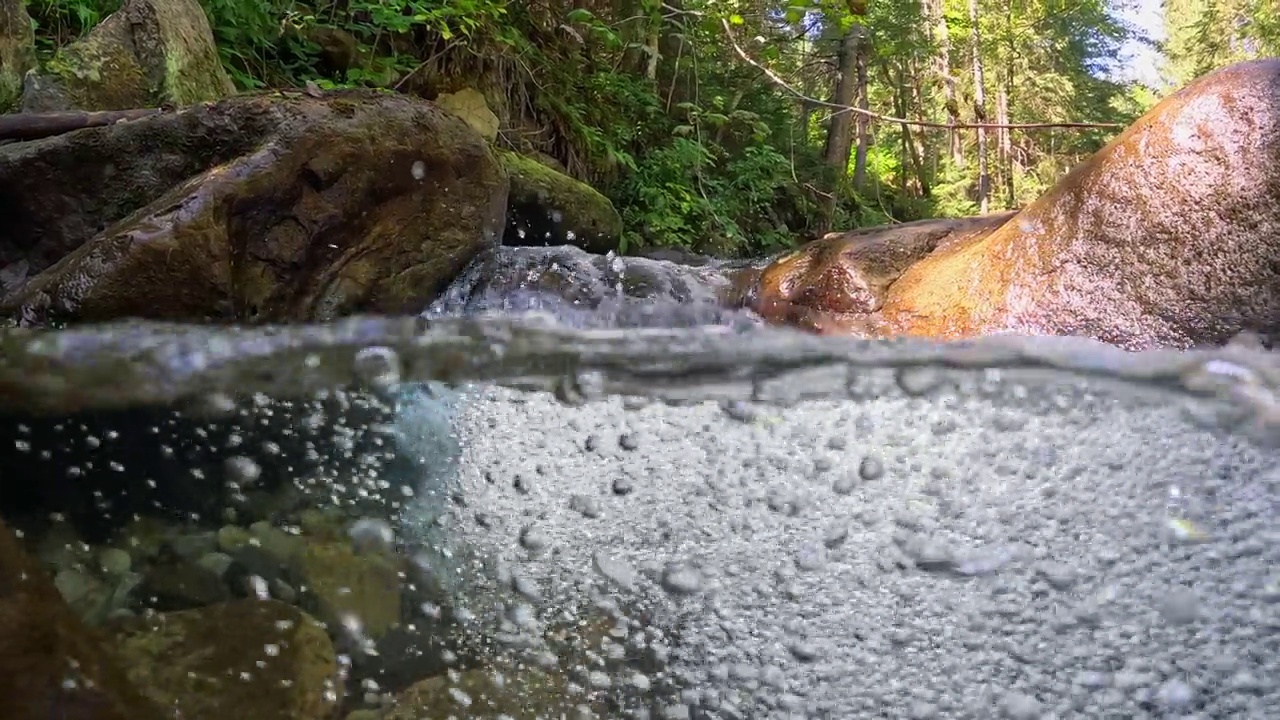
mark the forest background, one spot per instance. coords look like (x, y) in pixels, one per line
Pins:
(742, 127)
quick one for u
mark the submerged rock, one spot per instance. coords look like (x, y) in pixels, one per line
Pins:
(259, 208)
(242, 659)
(550, 208)
(146, 54)
(1167, 237)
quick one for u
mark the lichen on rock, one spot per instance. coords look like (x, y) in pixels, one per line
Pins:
(17, 51)
(146, 54)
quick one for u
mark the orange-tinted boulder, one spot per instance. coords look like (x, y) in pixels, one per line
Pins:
(1167, 237)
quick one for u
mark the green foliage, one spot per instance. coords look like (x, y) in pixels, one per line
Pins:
(654, 105)
(58, 22)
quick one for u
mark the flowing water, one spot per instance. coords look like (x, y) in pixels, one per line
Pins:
(648, 510)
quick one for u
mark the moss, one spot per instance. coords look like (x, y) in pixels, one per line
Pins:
(149, 53)
(550, 206)
(17, 51)
(100, 71)
(192, 70)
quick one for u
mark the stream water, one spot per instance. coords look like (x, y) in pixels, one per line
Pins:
(671, 511)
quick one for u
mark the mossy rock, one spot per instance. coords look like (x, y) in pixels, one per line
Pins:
(268, 207)
(548, 207)
(17, 51)
(147, 54)
(242, 659)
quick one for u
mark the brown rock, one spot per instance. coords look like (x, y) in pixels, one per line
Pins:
(257, 208)
(848, 274)
(343, 586)
(242, 659)
(1167, 237)
(51, 664)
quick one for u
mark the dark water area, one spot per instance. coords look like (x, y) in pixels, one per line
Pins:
(581, 486)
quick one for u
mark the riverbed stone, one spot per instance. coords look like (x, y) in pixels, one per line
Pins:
(341, 586)
(240, 659)
(487, 693)
(146, 54)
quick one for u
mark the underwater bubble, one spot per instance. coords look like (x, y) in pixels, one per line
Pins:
(378, 368)
(242, 470)
(371, 535)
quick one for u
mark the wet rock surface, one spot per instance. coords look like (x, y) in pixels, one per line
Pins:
(256, 208)
(1167, 237)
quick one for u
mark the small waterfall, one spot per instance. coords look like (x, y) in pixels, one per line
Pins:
(587, 291)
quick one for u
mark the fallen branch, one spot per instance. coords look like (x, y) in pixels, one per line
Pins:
(889, 118)
(33, 126)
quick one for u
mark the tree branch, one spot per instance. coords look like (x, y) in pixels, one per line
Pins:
(33, 126)
(889, 118)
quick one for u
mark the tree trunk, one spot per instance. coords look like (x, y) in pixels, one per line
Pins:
(864, 103)
(980, 110)
(941, 38)
(840, 128)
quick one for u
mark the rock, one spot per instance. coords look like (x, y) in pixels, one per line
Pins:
(258, 208)
(850, 273)
(17, 51)
(183, 585)
(343, 587)
(1167, 237)
(548, 207)
(469, 104)
(523, 693)
(241, 659)
(51, 664)
(148, 53)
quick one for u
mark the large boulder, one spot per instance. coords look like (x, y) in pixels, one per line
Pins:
(146, 54)
(1167, 237)
(17, 50)
(551, 208)
(263, 207)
